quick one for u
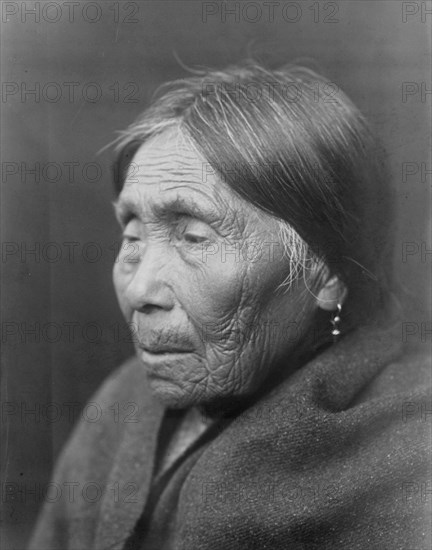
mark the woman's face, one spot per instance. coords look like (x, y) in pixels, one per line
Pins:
(197, 276)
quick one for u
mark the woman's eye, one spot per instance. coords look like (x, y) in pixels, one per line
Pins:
(130, 238)
(193, 231)
(194, 239)
(131, 232)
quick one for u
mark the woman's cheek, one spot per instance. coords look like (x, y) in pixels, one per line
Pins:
(216, 289)
(116, 278)
(120, 280)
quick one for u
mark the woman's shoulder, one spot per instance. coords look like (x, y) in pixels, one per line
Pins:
(410, 374)
(122, 402)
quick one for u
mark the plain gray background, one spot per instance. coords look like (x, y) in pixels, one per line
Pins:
(370, 49)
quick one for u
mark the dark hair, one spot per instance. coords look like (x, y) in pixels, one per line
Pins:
(293, 144)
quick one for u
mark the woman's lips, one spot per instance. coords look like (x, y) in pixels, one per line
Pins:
(155, 361)
(161, 350)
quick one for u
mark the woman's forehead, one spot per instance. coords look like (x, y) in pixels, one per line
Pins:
(167, 155)
(168, 165)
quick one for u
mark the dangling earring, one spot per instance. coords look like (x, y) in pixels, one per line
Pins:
(335, 323)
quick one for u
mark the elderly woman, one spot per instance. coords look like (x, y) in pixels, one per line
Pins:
(271, 401)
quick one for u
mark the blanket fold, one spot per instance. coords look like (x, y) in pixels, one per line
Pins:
(337, 456)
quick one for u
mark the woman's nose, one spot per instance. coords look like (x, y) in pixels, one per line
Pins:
(148, 290)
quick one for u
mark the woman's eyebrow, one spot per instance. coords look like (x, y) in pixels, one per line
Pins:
(125, 209)
(189, 206)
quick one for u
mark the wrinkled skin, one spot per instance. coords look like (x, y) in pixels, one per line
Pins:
(205, 281)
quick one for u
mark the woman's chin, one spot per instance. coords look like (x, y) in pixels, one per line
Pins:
(171, 394)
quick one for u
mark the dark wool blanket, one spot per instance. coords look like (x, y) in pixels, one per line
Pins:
(337, 456)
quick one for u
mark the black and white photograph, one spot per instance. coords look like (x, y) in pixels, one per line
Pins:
(216, 275)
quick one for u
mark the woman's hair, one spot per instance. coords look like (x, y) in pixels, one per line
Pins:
(293, 144)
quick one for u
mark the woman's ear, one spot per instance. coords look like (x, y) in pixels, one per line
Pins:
(331, 294)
